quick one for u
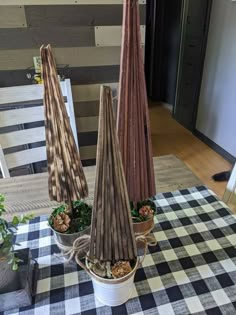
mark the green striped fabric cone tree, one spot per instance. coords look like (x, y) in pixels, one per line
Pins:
(112, 236)
(133, 124)
(66, 181)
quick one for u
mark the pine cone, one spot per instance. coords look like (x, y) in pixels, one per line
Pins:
(121, 269)
(146, 211)
(61, 222)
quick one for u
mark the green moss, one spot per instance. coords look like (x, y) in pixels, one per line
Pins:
(82, 213)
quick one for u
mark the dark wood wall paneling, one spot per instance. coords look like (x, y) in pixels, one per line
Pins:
(82, 15)
(63, 26)
(66, 26)
(78, 75)
(34, 37)
(86, 109)
(87, 138)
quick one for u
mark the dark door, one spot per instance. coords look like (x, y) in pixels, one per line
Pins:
(195, 23)
(162, 48)
(171, 48)
(175, 51)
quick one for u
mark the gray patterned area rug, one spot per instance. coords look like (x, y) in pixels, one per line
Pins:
(170, 174)
(29, 194)
(173, 174)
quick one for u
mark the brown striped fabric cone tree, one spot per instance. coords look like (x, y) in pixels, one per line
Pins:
(112, 236)
(133, 124)
(66, 181)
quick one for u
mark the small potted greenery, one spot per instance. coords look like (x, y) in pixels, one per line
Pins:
(143, 216)
(9, 258)
(68, 225)
(66, 178)
(112, 259)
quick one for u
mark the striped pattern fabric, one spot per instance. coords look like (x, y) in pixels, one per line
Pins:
(133, 116)
(85, 35)
(66, 179)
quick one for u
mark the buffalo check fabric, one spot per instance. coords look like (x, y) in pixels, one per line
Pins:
(192, 270)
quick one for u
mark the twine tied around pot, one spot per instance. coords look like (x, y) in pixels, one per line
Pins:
(146, 237)
(147, 240)
(80, 246)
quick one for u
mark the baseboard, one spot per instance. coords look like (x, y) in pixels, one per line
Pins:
(168, 106)
(226, 155)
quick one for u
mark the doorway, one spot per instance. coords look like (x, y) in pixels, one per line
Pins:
(174, 56)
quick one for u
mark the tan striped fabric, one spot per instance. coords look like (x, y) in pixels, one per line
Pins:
(112, 235)
(66, 180)
(133, 117)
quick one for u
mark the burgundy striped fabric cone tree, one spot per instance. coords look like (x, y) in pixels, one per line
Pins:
(66, 181)
(133, 125)
(112, 236)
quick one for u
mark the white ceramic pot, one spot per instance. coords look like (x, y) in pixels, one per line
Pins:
(114, 292)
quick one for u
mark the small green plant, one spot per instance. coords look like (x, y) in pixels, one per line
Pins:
(7, 232)
(143, 211)
(63, 221)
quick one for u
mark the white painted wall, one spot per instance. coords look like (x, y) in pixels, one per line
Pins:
(217, 105)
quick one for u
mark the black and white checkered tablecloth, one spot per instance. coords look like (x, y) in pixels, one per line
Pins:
(192, 270)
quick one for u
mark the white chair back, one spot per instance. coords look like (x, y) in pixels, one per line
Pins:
(23, 105)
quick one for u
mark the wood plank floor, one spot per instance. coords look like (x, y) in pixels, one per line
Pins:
(169, 137)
